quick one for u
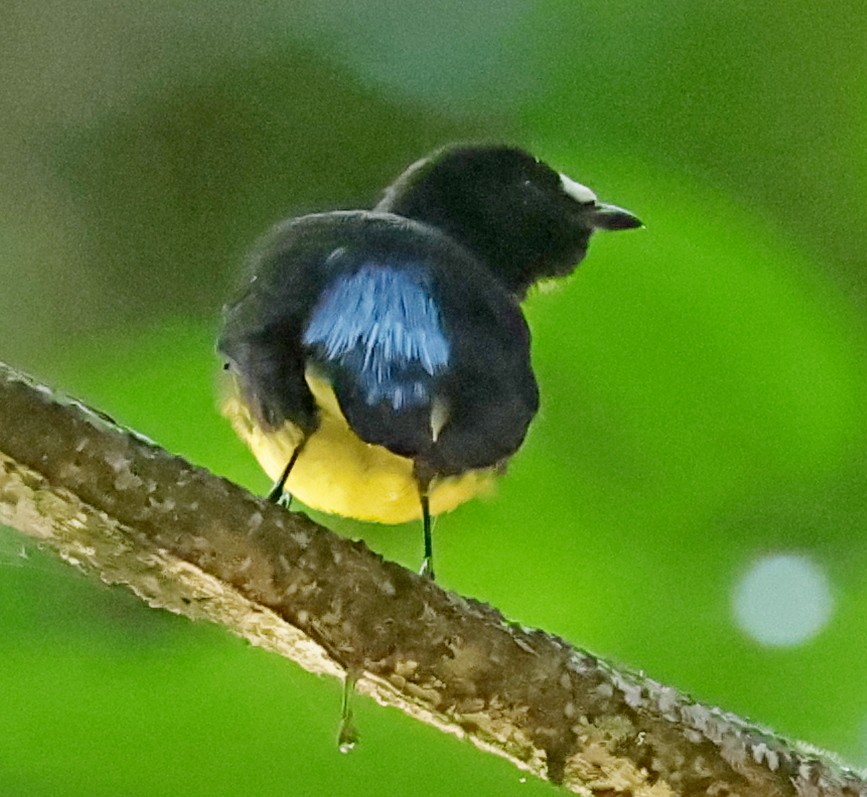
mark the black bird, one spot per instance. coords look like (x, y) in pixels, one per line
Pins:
(380, 358)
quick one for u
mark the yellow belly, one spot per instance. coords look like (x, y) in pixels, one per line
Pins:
(339, 473)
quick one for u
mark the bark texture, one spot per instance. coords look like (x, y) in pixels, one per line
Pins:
(190, 542)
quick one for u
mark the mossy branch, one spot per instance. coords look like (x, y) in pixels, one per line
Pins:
(188, 541)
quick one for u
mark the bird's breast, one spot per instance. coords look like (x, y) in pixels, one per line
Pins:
(339, 473)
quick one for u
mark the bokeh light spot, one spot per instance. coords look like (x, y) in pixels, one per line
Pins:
(782, 599)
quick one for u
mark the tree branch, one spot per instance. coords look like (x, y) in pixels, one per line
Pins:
(184, 540)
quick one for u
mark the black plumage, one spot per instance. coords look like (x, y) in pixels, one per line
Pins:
(410, 315)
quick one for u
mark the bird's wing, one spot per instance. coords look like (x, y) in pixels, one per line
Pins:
(377, 333)
(261, 330)
(433, 363)
(489, 392)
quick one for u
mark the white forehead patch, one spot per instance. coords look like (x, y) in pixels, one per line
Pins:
(578, 192)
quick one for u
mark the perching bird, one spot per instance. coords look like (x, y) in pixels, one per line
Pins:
(380, 358)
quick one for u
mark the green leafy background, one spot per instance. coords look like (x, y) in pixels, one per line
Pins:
(704, 381)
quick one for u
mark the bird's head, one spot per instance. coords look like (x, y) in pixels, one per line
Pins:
(523, 219)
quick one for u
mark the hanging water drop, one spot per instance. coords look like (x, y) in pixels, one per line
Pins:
(347, 735)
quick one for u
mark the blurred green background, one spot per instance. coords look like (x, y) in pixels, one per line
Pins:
(692, 499)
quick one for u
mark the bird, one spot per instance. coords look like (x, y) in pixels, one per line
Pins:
(379, 359)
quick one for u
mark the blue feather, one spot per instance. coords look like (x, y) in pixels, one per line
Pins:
(381, 324)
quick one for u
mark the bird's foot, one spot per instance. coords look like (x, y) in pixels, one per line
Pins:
(427, 568)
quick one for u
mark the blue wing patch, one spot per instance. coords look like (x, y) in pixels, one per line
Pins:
(381, 325)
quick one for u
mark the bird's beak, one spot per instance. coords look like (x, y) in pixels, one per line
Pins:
(611, 217)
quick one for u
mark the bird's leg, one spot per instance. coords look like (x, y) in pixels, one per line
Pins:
(427, 568)
(277, 494)
(423, 481)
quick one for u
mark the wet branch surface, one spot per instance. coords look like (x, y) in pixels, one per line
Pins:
(185, 540)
